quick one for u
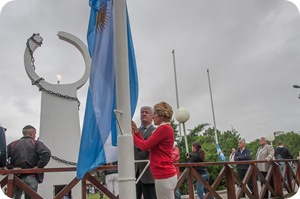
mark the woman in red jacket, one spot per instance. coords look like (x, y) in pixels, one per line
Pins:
(160, 145)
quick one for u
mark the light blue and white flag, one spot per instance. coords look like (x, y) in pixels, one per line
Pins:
(99, 133)
(221, 154)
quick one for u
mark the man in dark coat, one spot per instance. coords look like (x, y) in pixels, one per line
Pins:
(243, 154)
(145, 186)
(27, 153)
(282, 152)
(3, 147)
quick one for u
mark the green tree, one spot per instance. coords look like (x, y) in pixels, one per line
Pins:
(227, 140)
(206, 137)
(291, 141)
(100, 177)
(253, 146)
(175, 126)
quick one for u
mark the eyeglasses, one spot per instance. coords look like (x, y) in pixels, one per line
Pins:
(146, 112)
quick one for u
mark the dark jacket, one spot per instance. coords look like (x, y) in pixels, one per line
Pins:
(196, 157)
(2, 147)
(28, 153)
(242, 156)
(147, 177)
(283, 153)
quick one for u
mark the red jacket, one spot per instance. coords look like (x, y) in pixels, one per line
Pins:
(176, 158)
(160, 145)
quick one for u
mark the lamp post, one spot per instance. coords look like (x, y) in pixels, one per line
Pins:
(182, 115)
(271, 138)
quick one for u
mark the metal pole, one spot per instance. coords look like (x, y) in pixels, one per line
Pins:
(125, 140)
(176, 88)
(212, 107)
(185, 139)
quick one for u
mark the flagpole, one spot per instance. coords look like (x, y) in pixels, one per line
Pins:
(176, 89)
(212, 107)
(125, 140)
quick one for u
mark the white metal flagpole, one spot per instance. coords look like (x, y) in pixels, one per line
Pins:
(212, 107)
(125, 140)
(176, 89)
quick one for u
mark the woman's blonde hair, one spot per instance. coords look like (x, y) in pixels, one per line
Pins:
(164, 110)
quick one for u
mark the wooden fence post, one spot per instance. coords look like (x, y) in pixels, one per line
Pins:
(10, 185)
(230, 184)
(190, 183)
(277, 180)
(83, 187)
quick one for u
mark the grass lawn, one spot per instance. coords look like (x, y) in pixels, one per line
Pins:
(96, 196)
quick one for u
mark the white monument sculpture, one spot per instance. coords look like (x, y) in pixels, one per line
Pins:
(59, 119)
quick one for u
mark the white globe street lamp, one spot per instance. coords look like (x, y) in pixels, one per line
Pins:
(182, 115)
(271, 138)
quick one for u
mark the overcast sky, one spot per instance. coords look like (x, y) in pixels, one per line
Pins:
(251, 48)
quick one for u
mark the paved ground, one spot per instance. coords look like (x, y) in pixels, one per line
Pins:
(223, 194)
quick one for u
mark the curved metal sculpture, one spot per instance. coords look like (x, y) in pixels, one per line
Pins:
(37, 42)
(59, 118)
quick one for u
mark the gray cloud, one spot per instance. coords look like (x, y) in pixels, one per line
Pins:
(251, 48)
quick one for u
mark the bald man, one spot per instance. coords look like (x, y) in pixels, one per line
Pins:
(265, 152)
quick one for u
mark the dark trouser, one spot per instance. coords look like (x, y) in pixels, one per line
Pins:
(147, 190)
(178, 194)
(200, 188)
(271, 184)
(242, 173)
(31, 181)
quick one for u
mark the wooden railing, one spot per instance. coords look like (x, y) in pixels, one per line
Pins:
(289, 179)
(235, 187)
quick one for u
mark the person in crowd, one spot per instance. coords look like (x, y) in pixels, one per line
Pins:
(111, 179)
(243, 154)
(2, 148)
(198, 155)
(232, 154)
(281, 153)
(160, 144)
(145, 185)
(265, 152)
(27, 153)
(175, 159)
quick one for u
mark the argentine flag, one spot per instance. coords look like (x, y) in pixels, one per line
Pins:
(99, 132)
(221, 154)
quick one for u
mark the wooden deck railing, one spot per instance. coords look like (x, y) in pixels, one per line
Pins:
(288, 180)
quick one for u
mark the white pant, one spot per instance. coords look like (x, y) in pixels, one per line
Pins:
(165, 187)
(112, 183)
